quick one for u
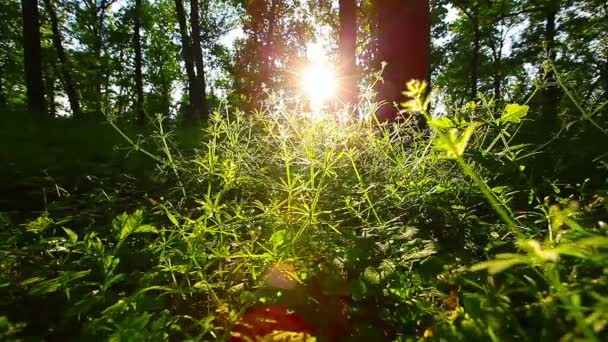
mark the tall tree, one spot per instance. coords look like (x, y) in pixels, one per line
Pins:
(69, 84)
(139, 78)
(552, 93)
(197, 51)
(347, 50)
(404, 44)
(192, 53)
(33, 56)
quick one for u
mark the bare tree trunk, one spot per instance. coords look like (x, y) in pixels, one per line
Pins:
(605, 77)
(197, 50)
(33, 57)
(552, 93)
(187, 51)
(497, 77)
(68, 82)
(2, 95)
(49, 83)
(268, 48)
(139, 78)
(347, 51)
(166, 96)
(474, 75)
(101, 72)
(404, 44)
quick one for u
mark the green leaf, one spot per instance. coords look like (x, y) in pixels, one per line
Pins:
(278, 238)
(146, 228)
(514, 113)
(39, 225)
(172, 219)
(113, 280)
(125, 225)
(496, 266)
(371, 276)
(441, 123)
(71, 234)
(358, 289)
(455, 143)
(109, 264)
(55, 284)
(472, 304)
(120, 306)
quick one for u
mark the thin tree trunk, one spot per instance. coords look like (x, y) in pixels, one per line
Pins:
(552, 92)
(164, 91)
(33, 57)
(100, 75)
(268, 48)
(404, 44)
(604, 76)
(2, 95)
(197, 50)
(347, 51)
(68, 82)
(497, 56)
(139, 78)
(474, 76)
(194, 111)
(50, 91)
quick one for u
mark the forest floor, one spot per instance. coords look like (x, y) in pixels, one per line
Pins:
(274, 226)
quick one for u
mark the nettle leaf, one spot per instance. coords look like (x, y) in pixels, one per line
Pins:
(125, 225)
(514, 113)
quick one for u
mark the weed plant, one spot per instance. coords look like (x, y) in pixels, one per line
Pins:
(389, 233)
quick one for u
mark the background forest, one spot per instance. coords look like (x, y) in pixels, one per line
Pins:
(295, 170)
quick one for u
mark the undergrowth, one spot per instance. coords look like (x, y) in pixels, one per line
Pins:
(388, 233)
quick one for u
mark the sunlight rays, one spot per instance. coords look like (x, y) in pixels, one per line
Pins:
(318, 80)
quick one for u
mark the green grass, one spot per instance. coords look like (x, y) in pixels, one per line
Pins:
(389, 232)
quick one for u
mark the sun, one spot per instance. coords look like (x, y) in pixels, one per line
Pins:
(319, 83)
(318, 79)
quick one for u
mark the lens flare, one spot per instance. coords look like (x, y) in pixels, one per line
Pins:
(319, 84)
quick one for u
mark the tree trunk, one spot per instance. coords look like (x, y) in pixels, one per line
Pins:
(139, 78)
(552, 93)
(405, 45)
(2, 95)
(67, 80)
(165, 85)
(604, 76)
(268, 46)
(33, 57)
(497, 77)
(197, 50)
(474, 76)
(194, 111)
(49, 83)
(347, 51)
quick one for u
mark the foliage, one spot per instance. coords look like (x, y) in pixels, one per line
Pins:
(489, 224)
(383, 238)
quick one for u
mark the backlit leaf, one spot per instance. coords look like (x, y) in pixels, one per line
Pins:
(514, 113)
